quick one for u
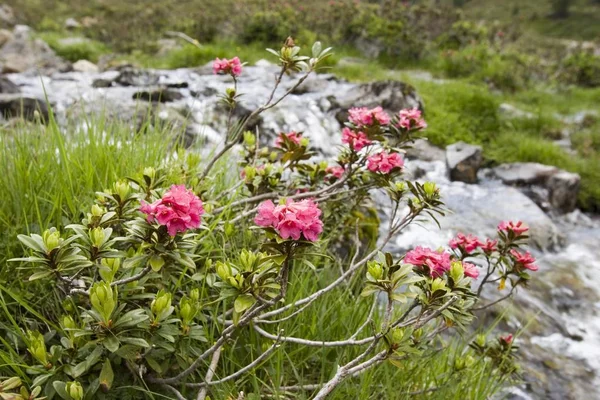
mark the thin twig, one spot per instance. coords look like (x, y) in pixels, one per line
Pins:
(209, 374)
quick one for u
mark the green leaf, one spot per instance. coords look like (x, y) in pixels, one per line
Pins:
(156, 262)
(128, 351)
(152, 363)
(61, 389)
(369, 290)
(33, 242)
(111, 343)
(40, 275)
(136, 341)
(316, 49)
(106, 376)
(243, 302)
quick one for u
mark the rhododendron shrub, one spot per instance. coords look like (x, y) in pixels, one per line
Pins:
(168, 274)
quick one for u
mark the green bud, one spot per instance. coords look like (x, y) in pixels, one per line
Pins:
(375, 269)
(75, 390)
(247, 260)
(459, 364)
(68, 322)
(264, 152)
(104, 300)
(97, 211)
(150, 172)
(397, 335)
(51, 239)
(109, 268)
(430, 188)
(195, 294)
(480, 340)
(438, 284)
(156, 263)
(400, 186)
(249, 139)
(223, 270)
(268, 168)
(161, 304)
(97, 236)
(456, 270)
(230, 92)
(273, 156)
(10, 383)
(250, 173)
(37, 347)
(122, 189)
(304, 142)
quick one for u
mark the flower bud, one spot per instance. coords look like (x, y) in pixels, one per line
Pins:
(37, 347)
(397, 335)
(375, 269)
(109, 268)
(10, 383)
(249, 139)
(195, 294)
(250, 173)
(68, 322)
(104, 300)
(97, 236)
(304, 142)
(51, 239)
(161, 302)
(456, 270)
(150, 172)
(430, 188)
(97, 211)
(223, 270)
(122, 189)
(75, 390)
(273, 156)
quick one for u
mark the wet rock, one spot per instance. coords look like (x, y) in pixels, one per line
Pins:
(160, 95)
(18, 106)
(422, 149)
(7, 86)
(563, 188)
(102, 83)
(314, 84)
(85, 66)
(548, 186)
(391, 95)
(135, 77)
(463, 160)
(24, 53)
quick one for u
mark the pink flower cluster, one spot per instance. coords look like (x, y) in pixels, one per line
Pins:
(517, 227)
(524, 260)
(470, 270)
(411, 119)
(356, 140)
(384, 162)
(470, 243)
(335, 171)
(292, 219)
(364, 117)
(436, 263)
(225, 66)
(179, 210)
(294, 137)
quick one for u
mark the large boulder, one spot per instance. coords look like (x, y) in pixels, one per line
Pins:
(85, 66)
(23, 53)
(421, 149)
(463, 161)
(18, 106)
(393, 96)
(551, 188)
(136, 77)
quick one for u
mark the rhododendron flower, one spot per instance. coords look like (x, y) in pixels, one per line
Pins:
(524, 260)
(356, 140)
(335, 171)
(362, 116)
(225, 66)
(517, 227)
(292, 219)
(467, 243)
(179, 210)
(470, 270)
(436, 262)
(292, 136)
(506, 339)
(384, 162)
(411, 118)
(489, 246)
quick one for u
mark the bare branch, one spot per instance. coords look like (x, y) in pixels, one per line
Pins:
(209, 374)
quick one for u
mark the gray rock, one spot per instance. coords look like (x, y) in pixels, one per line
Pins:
(563, 188)
(18, 106)
(510, 111)
(393, 96)
(423, 150)
(463, 161)
(85, 66)
(102, 83)
(23, 53)
(548, 186)
(160, 95)
(136, 77)
(71, 23)
(5, 36)
(7, 16)
(7, 86)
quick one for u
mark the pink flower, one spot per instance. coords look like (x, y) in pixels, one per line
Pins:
(436, 263)
(411, 119)
(292, 219)
(489, 246)
(467, 243)
(335, 171)
(363, 117)
(179, 210)
(225, 66)
(356, 140)
(294, 137)
(506, 339)
(517, 227)
(524, 260)
(384, 162)
(470, 270)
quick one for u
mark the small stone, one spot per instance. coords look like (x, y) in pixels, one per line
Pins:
(85, 66)
(158, 95)
(71, 23)
(563, 188)
(463, 161)
(102, 83)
